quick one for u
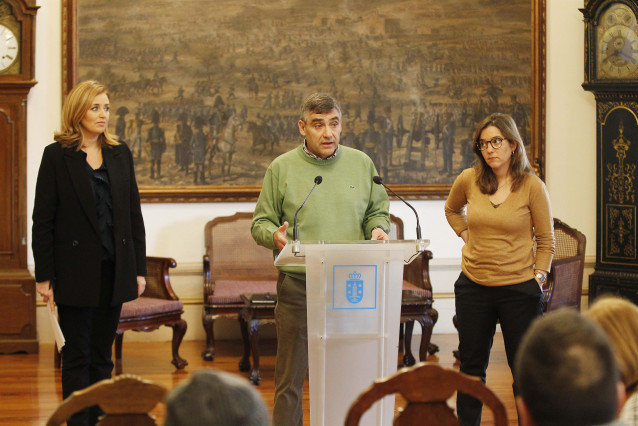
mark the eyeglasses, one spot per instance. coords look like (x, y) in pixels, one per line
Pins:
(496, 143)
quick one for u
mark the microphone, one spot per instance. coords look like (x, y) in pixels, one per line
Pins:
(420, 245)
(296, 248)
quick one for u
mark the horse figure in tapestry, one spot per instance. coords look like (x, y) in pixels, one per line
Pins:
(263, 136)
(224, 145)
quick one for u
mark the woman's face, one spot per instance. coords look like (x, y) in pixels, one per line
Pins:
(498, 159)
(97, 117)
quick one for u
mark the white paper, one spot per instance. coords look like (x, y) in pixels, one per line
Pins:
(57, 331)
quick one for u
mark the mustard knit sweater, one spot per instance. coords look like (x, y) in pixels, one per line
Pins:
(500, 246)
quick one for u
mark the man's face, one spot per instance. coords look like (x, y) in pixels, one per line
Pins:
(322, 132)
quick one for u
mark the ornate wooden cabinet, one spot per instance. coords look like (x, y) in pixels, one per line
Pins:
(611, 73)
(17, 286)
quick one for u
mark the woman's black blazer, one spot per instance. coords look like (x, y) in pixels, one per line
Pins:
(66, 242)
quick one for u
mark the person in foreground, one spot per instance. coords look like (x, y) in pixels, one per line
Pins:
(567, 374)
(215, 397)
(619, 318)
(509, 245)
(346, 206)
(88, 237)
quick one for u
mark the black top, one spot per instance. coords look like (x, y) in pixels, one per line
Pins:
(104, 205)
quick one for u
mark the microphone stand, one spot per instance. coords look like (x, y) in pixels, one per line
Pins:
(420, 242)
(296, 245)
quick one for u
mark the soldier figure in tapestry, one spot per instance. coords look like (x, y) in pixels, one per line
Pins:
(198, 147)
(157, 143)
(183, 134)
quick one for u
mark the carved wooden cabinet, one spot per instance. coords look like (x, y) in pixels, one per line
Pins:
(617, 252)
(611, 74)
(17, 287)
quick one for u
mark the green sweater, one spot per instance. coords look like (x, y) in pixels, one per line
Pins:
(347, 205)
(504, 244)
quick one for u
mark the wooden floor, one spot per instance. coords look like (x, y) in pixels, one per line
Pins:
(30, 387)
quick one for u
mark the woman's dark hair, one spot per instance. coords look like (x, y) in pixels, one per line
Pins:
(520, 167)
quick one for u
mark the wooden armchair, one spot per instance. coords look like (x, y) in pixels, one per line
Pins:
(426, 405)
(233, 265)
(125, 400)
(158, 305)
(416, 281)
(564, 284)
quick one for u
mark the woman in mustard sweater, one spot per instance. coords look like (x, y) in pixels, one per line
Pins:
(508, 232)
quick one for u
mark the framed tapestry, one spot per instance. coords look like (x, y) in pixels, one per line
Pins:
(412, 78)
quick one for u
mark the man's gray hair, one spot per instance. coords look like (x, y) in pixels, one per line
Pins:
(318, 103)
(215, 397)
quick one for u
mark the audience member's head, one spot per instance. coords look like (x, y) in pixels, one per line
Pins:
(214, 397)
(619, 318)
(566, 372)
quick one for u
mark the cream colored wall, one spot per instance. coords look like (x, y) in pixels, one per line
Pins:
(176, 229)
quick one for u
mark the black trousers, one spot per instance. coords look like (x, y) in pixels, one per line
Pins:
(89, 333)
(86, 355)
(478, 309)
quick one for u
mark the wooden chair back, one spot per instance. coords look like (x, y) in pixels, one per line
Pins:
(158, 281)
(426, 388)
(396, 228)
(125, 400)
(232, 252)
(417, 272)
(565, 280)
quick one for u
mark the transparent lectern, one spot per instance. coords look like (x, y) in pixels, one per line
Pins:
(353, 292)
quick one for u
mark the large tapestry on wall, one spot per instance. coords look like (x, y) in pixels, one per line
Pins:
(207, 93)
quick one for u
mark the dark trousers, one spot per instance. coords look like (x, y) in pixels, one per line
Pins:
(478, 309)
(86, 355)
(291, 364)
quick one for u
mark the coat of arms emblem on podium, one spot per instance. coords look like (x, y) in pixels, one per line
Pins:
(354, 287)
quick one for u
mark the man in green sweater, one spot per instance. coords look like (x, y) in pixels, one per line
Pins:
(346, 206)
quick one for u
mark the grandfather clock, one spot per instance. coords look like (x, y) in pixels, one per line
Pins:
(611, 74)
(17, 286)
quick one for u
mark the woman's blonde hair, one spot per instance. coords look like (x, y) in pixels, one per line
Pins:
(520, 167)
(619, 318)
(76, 104)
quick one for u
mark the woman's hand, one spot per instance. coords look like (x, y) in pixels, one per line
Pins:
(44, 289)
(541, 284)
(141, 285)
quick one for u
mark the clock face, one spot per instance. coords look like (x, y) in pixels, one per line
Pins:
(618, 53)
(8, 48)
(617, 44)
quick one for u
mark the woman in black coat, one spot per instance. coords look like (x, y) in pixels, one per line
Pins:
(88, 237)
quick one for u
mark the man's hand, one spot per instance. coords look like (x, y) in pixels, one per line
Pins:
(141, 285)
(279, 237)
(379, 234)
(44, 289)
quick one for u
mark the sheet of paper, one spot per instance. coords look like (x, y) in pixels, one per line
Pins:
(57, 331)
